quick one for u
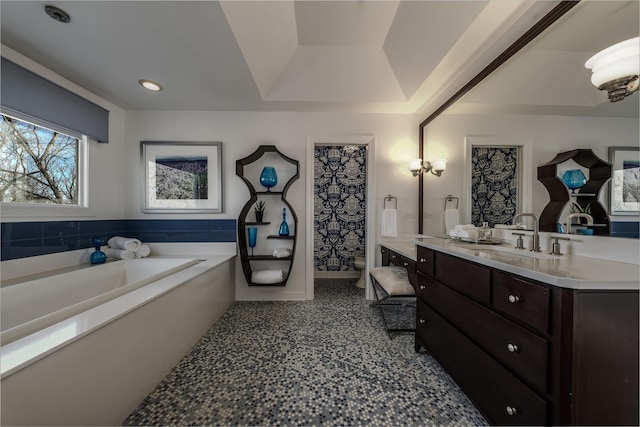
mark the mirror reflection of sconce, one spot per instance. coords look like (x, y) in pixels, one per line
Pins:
(616, 69)
(416, 166)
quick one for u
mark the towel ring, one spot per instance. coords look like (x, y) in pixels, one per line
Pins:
(390, 198)
(449, 199)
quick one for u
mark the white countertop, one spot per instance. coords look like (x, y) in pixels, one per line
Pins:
(567, 271)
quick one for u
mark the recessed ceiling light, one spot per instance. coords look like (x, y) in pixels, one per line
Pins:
(151, 85)
(57, 14)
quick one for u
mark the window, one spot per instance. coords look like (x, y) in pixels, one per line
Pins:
(37, 165)
(42, 169)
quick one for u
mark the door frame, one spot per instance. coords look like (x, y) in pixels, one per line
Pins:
(367, 140)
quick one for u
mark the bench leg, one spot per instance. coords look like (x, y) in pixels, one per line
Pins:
(384, 319)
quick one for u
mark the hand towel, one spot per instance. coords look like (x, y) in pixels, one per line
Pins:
(118, 242)
(267, 276)
(468, 234)
(465, 227)
(389, 223)
(281, 252)
(119, 253)
(451, 219)
(143, 251)
(453, 233)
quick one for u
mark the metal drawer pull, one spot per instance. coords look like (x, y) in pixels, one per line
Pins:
(393, 256)
(512, 348)
(422, 321)
(512, 411)
(405, 264)
(423, 260)
(514, 298)
(423, 287)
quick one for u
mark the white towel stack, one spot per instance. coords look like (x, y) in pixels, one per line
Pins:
(126, 248)
(266, 277)
(281, 252)
(389, 223)
(464, 231)
(118, 242)
(119, 253)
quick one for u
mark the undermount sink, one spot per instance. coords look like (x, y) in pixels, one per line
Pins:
(510, 251)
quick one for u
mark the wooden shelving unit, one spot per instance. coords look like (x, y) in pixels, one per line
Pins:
(246, 259)
(559, 194)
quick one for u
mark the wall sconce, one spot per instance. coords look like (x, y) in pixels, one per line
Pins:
(417, 167)
(616, 69)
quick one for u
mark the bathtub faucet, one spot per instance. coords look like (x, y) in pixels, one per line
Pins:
(535, 239)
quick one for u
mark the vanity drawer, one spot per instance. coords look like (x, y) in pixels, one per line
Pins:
(522, 299)
(402, 261)
(468, 278)
(503, 398)
(425, 260)
(385, 255)
(521, 351)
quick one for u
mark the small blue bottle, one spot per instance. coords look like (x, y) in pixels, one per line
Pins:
(284, 227)
(98, 257)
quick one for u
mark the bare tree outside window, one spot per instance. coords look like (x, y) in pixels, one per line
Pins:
(37, 165)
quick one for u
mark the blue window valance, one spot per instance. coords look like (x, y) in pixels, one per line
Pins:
(27, 93)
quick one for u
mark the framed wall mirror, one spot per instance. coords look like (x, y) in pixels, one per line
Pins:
(542, 98)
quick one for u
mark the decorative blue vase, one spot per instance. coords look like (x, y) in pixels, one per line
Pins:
(98, 257)
(253, 235)
(268, 177)
(574, 179)
(284, 227)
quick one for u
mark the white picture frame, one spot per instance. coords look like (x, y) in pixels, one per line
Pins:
(625, 181)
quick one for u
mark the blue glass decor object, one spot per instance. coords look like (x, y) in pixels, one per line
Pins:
(98, 257)
(268, 177)
(574, 179)
(253, 234)
(284, 227)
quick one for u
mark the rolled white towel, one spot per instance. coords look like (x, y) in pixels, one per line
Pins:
(266, 277)
(119, 253)
(281, 252)
(453, 232)
(465, 227)
(468, 234)
(143, 251)
(118, 242)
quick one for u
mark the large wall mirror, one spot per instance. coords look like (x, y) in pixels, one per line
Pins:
(541, 100)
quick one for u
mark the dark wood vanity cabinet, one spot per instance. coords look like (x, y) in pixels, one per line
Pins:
(391, 257)
(527, 353)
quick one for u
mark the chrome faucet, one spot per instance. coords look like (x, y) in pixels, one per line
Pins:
(535, 239)
(578, 215)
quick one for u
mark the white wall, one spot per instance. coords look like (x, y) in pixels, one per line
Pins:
(549, 135)
(108, 183)
(242, 132)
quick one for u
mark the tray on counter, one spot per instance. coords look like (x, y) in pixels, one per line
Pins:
(479, 241)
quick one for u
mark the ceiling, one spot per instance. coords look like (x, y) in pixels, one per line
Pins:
(549, 77)
(361, 56)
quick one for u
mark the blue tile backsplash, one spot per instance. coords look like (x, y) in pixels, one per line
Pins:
(26, 239)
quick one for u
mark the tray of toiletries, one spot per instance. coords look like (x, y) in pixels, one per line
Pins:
(490, 241)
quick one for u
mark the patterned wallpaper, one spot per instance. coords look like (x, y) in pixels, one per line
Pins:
(494, 185)
(339, 206)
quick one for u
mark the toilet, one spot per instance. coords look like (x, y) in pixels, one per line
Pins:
(360, 263)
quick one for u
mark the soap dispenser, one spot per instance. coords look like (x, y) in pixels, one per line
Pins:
(484, 232)
(98, 257)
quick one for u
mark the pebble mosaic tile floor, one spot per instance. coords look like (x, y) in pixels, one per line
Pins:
(323, 362)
